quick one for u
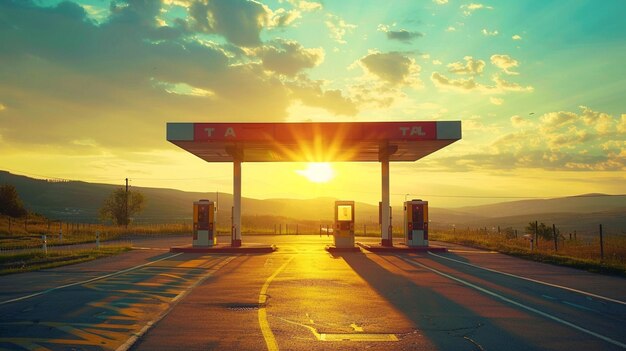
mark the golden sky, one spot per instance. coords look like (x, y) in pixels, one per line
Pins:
(86, 88)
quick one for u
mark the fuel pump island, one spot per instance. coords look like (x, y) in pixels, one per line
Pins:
(384, 142)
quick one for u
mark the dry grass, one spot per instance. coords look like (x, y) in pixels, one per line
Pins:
(581, 253)
(18, 235)
(35, 260)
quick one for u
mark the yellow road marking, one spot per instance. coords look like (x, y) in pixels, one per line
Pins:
(356, 327)
(357, 337)
(192, 263)
(270, 340)
(346, 336)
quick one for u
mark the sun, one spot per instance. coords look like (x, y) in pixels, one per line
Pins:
(318, 172)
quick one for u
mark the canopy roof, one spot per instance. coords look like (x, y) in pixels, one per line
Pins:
(314, 142)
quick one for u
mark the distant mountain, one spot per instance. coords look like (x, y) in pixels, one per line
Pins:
(79, 202)
(572, 204)
(582, 213)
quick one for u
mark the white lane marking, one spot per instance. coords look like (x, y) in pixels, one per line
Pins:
(518, 304)
(533, 280)
(86, 281)
(548, 297)
(579, 306)
(133, 339)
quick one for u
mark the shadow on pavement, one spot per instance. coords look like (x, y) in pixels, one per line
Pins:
(448, 324)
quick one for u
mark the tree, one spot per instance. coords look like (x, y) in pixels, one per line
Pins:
(10, 203)
(115, 206)
(543, 230)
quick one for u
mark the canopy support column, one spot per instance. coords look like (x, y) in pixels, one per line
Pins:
(236, 229)
(386, 239)
(385, 150)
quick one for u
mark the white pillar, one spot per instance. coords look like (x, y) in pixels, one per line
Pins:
(386, 239)
(236, 237)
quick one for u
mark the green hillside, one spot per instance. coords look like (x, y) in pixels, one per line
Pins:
(80, 201)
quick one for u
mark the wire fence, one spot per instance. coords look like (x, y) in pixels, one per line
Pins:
(607, 245)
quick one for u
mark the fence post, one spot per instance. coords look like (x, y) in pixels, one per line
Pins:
(26, 223)
(61, 234)
(44, 241)
(9, 224)
(601, 245)
(364, 229)
(536, 233)
(97, 239)
(554, 235)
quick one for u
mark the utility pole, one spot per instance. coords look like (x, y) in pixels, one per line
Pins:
(126, 205)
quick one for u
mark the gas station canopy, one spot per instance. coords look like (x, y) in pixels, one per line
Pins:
(313, 142)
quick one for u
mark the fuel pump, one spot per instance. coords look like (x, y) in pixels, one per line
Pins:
(416, 223)
(204, 228)
(343, 234)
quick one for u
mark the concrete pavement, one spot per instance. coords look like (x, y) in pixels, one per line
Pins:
(303, 298)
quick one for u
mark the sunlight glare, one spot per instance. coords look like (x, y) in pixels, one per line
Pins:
(318, 172)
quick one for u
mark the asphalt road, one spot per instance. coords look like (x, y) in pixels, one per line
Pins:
(303, 298)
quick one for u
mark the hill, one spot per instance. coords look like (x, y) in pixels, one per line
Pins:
(79, 202)
(571, 204)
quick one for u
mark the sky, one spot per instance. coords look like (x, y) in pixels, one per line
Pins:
(87, 86)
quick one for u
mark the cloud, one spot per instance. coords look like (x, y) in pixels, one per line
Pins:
(468, 9)
(338, 28)
(601, 122)
(500, 85)
(184, 89)
(283, 18)
(516, 37)
(239, 21)
(503, 85)
(557, 141)
(450, 29)
(505, 63)
(487, 33)
(289, 57)
(392, 67)
(554, 120)
(66, 77)
(519, 122)
(470, 66)
(306, 6)
(621, 126)
(565, 140)
(402, 35)
(462, 84)
(496, 101)
(440, 2)
(310, 92)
